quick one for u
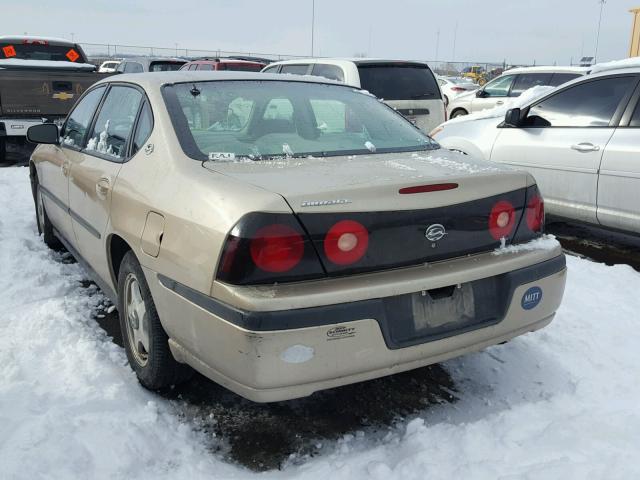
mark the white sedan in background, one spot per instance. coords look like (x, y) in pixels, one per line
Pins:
(451, 87)
(581, 141)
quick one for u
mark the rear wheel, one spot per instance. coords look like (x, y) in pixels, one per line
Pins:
(459, 113)
(145, 341)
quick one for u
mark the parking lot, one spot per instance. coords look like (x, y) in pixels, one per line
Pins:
(574, 377)
(372, 241)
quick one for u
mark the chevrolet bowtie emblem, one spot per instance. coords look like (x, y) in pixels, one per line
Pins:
(63, 96)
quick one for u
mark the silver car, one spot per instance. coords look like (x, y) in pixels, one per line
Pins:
(284, 235)
(581, 141)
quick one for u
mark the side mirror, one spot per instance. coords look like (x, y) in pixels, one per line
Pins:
(480, 93)
(513, 117)
(46, 133)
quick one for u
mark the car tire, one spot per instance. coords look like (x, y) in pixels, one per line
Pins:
(45, 229)
(459, 113)
(145, 341)
(3, 150)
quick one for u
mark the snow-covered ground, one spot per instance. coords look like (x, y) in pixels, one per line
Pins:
(560, 403)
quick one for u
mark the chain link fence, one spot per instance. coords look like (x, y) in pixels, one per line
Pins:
(99, 52)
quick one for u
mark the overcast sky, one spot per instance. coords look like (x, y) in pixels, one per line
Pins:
(544, 31)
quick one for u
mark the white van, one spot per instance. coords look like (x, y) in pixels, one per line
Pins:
(408, 87)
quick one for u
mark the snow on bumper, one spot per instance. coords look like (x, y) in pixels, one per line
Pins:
(279, 355)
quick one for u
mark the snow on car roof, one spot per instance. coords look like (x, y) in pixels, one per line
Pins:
(633, 62)
(155, 79)
(17, 62)
(20, 38)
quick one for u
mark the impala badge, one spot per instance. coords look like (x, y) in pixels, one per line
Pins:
(435, 232)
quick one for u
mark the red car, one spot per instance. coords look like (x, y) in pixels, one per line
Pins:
(224, 64)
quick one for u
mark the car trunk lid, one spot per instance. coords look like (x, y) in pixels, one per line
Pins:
(416, 208)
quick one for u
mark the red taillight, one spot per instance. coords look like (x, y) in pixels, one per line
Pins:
(346, 242)
(458, 89)
(502, 219)
(535, 213)
(276, 248)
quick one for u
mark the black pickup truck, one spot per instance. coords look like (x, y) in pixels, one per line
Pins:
(40, 80)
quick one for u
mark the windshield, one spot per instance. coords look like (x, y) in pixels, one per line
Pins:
(41, 51)
(399, 81)
(165, 66)
(222, 120)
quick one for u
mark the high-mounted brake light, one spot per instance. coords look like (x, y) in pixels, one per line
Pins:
(436, 187)
(346, 242)
(502, 219)
(277, 248)
(535, 213)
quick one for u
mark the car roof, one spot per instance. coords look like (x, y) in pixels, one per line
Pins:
(153, 59)
(547, 69)
(627, 65)
(338, 60)
(158, 79)
(225, 60)
(50, 40)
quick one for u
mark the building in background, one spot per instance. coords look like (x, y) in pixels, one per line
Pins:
(634, 50)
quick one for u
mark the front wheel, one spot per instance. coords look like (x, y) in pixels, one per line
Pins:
(458, 113)
(145, 341)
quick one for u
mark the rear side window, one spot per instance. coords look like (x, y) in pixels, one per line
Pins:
(41, 50)
(332, 72)
(588, 104)
(525, 81)
(114, 123)
(295, 69)
(133, 67)
(78, 122)
(205, 66)
(164, 66)
(144, 128)
(560, 78)
(399, 81)
(273, 69)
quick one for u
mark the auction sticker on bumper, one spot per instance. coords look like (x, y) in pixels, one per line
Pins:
(336, 333)
(531, 298)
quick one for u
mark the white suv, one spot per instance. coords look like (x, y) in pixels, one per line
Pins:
(581, 141)
(408, 87)
(511, 84)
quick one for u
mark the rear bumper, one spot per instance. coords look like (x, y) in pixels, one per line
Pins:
(277, 355)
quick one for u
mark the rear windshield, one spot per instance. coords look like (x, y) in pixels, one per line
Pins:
(396, 81)
(241, 67)
(221, 120)
(165, 66)
(41, 51)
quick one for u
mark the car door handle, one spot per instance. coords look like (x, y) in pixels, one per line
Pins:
(585, 147)
(102, 187)
(500, 102)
